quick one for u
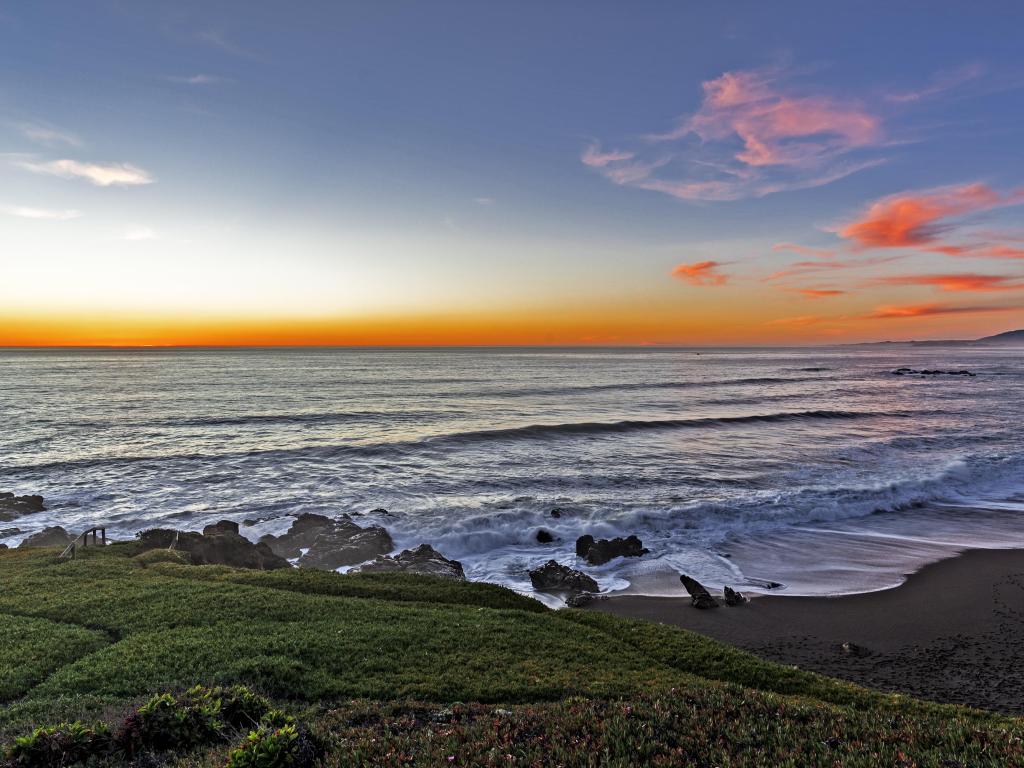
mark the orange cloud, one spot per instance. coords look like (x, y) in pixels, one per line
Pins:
(803, 250)
(958, 283)
(701, 273)
(820, 293)
(921, 220)
(800, 320)
(931, 310)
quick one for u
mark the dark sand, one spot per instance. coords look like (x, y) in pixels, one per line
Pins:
(953, 632)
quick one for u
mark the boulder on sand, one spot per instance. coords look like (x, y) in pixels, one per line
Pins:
(217, 545)
(555, 577)
(12, 506)
(602, 551)
(329, 543)
(52, 536)
(423, 560)
(699, 596)
(732, 597)
(583, 599)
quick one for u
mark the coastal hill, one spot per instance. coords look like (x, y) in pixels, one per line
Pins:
(1009, 338)
(395, 669)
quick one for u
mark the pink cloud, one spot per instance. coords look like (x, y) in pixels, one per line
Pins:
(752, 135)
(967, 283)
(701, 273)
(931, 310)
(820, 293)
(924, 220)
(593, 156)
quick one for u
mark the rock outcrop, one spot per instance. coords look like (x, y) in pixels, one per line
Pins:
(601, 551)
(732, 597)
(219, 544)
(544, 537)
(424, 560)
(12, 506)
(329, 543)
(926, 372)
(53, 536)
(555, 577)
(699, 596)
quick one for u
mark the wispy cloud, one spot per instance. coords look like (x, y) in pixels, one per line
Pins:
(925, 220)
(754, 134)
(941, 82)
(484, 200)
(200, 79)
(799, 320)
(820, 293)
(25, 212)
(137, 234)
(218, 39)
(803, 250)
(100, 174)
(43, 133)
(701, 273)
(594, 157)
(958, 283)
(932, 310)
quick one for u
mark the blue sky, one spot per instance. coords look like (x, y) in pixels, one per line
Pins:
(358, 162)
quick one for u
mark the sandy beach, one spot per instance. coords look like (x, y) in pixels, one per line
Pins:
(953, 632)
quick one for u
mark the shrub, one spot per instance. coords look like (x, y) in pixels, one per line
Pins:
(267, 747)
(60, 746)
(164, 722)
(238, 706)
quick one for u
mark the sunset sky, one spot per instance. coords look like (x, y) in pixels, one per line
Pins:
(509, 173)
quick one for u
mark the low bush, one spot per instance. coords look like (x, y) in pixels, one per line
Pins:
(61, 746)
(165, 722)
(267, 747)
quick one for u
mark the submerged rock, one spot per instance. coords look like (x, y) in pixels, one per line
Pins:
(217, 545)
(602, 551)
(329, 543)
(555, 577)
(12, 506)
(544, 537)
(926, 372)
(423, 560)
(699, 596)
(732, 597)
(52, 536)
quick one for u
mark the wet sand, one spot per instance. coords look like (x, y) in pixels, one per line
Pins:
(953, 632)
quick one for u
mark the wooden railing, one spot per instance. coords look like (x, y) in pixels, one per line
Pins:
(84, 539)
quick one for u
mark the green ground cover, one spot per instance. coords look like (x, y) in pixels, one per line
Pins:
(392, 669)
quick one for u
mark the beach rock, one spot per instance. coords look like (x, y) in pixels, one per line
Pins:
(555, 577)
(732, 597)
(604, 550)
(583, 599)
(12, 506)
(854, 650)
(52, 536)
(221, 526)
(556, 512)
(544, 537)
(423, 560)
(329, 543)
(699, 596)
(346, 544)
(583, 545)
(3, 546)
(216, 548)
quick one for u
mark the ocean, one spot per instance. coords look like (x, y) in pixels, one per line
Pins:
(819, 469)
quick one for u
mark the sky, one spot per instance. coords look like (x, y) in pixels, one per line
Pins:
(451, 173)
